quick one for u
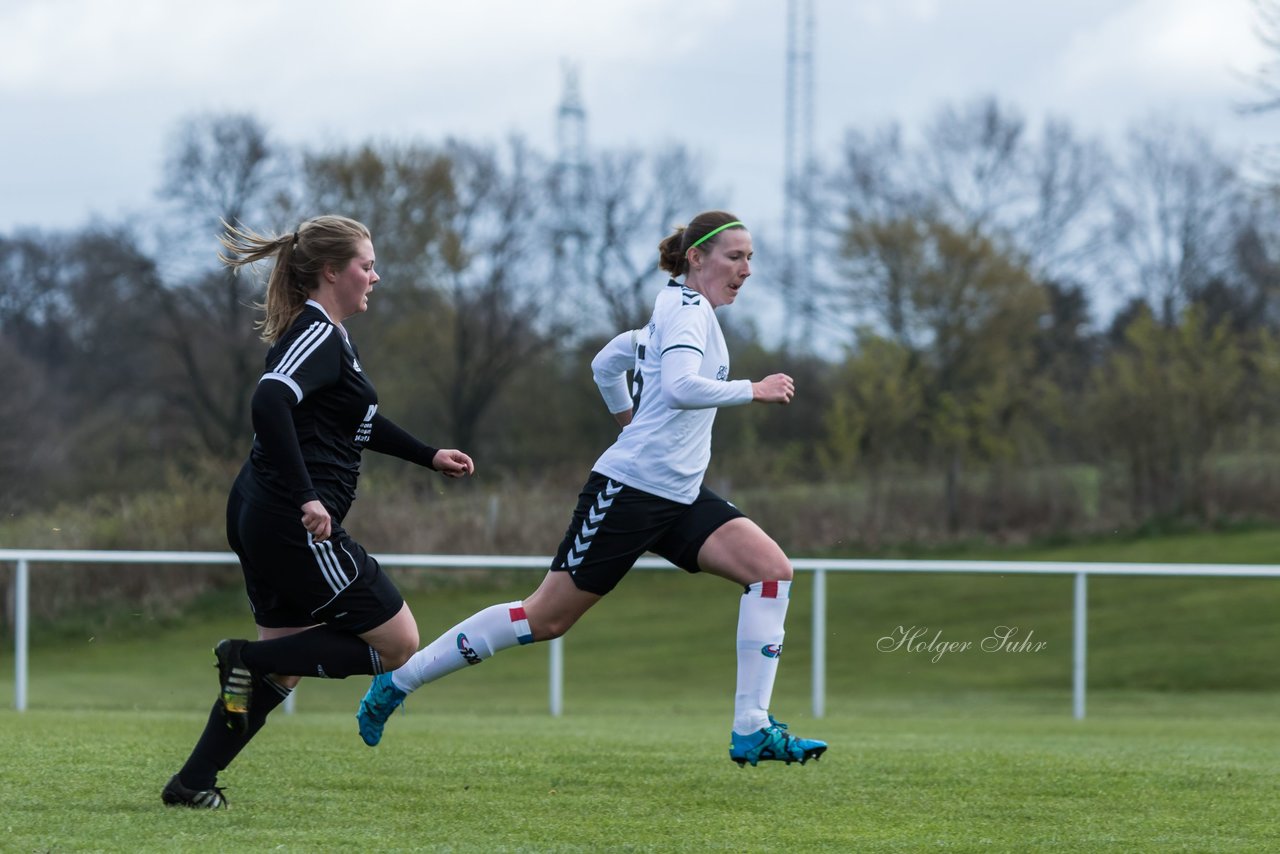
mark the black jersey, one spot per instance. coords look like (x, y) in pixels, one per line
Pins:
(314, 374)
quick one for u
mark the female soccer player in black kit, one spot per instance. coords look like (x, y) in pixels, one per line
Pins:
(322, 604)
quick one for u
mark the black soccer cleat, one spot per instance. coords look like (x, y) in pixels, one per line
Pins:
(177, 795)
(235, 684)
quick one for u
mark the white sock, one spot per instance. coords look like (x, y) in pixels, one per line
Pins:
(470, 642)
(761, 616)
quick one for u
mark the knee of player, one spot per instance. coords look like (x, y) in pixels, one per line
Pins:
(398, 652)
(286, 682)
(393, 658)
(552, 628)
(776, 570)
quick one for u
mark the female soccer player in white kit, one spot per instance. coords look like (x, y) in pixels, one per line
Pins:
(645, 493)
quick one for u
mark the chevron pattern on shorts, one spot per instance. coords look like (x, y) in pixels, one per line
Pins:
(595, 515)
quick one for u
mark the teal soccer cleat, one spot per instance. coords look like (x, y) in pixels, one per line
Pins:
(382, 698)
(774, 742)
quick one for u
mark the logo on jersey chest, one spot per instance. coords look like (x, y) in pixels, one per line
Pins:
(723, 373)
(366, 426)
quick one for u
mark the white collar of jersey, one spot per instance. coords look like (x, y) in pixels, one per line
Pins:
(328, 318)
(312, 302)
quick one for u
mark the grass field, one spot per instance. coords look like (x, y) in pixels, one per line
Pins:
(971, 752)
(639, 781)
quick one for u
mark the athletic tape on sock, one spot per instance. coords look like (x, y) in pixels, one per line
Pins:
(769, 590)
(520, 623)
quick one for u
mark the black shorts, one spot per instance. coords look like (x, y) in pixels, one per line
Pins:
(614, 524)
(293, 582)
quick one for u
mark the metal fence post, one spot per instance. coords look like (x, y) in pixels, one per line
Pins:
(556, 652)
(819, 642)
(1079, 643)
(21, 595)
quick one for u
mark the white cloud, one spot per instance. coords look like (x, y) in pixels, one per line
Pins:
(90, 88)
(77, 47)
(923, 10)
(1163, 46)
(68, 49)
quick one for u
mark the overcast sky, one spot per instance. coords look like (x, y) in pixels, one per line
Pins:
(90, 90)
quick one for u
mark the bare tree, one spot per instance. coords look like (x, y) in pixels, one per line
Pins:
(1059, 226)
(403, 193)
(973, 161)
(608, 243)
(976, 169)
(498, 317)
(221, 168)
(33, 342)
(463, 254)
(73, 311)
(32, 448)
(1256, 251)
(1267, 78)
(935, 248)
(1174, 213)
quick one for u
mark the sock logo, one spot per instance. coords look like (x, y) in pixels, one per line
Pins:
(771, 650)
(464, 647)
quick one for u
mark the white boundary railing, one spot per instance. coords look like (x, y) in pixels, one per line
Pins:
(819, 567)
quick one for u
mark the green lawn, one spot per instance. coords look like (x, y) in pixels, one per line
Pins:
(973, 751)
(647, 780)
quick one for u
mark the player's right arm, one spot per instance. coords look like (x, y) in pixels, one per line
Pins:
(272, 413)
(609, 370)
(309, 358)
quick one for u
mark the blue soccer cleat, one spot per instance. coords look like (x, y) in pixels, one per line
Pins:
(382, 698)
(774, 742)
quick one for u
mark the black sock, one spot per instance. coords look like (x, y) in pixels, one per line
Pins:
(219, 744)
(321, 651)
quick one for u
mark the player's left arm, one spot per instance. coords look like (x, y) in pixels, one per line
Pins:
(683, 387)
(683, 351)
(387, 437)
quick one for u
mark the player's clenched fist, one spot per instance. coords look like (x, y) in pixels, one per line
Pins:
(775, 388)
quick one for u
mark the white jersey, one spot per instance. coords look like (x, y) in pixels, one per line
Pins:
(680, 375)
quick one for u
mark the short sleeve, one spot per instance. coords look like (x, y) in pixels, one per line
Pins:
(308, 359)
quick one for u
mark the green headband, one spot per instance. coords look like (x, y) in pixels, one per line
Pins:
(714, 232)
